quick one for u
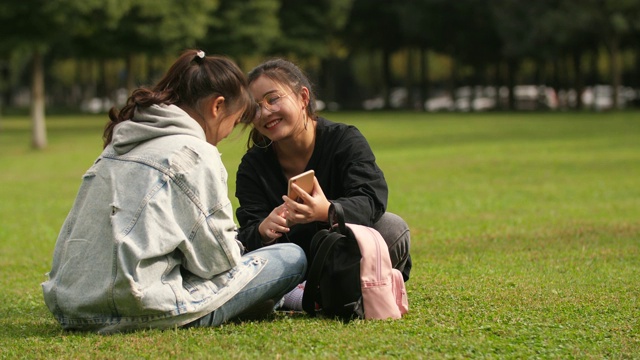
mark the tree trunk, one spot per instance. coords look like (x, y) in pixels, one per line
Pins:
(594, 77)
(386, 73)
(635, 79)
(4, 86)
(38, 128)
(472, 82)
(103, 91)
(452, 83)
(499, 82)
(130, 77)
(409, 80)
(614, 63)
(511, 82)
(557, 81)
(327, 79)
(424, 77)
(578, 83)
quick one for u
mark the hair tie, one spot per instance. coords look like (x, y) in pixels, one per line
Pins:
(200, 54)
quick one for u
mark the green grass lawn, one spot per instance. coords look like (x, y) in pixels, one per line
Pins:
(525, 241)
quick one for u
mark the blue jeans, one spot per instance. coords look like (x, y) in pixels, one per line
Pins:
(285, 268)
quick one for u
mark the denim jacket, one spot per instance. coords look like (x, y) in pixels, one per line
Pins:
(150, 240)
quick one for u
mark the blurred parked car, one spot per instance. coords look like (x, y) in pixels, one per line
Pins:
(97, 105)
(440, 102)
(527, 97)
(535, 97)
(397, 99)
(477, 98)
(600, 97)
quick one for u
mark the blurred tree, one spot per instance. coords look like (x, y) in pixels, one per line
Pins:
(141, 27)
(4, 81)
(336, 80)
(93, 40)
(546, 41)
(305, 28)
(417, 20)
(517, 25)
(33, 27)
(97, 29)
(38, 26)
(374, 26)
(631, 43)
(572, 39)
(556, 30)
(241, 29)
(480, 47)
(471, 38)
(615, 21)
(310, 33)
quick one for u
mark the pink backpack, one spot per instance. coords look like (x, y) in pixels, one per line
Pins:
(383, 292)
(351, 274)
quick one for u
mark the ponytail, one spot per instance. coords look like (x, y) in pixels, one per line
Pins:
(190, 79)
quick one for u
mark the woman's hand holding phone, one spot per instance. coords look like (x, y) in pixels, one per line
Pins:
(312, 206)
(304, 181)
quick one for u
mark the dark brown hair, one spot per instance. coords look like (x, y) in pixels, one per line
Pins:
(190, 79)
(288, 74)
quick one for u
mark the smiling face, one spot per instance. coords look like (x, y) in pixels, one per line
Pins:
(280, 115)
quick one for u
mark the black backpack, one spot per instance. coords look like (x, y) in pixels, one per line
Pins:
(335, 283)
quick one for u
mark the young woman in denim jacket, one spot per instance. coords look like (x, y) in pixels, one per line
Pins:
(150, 241)
(287, 139)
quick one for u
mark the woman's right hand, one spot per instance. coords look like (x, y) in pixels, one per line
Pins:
(274, 225)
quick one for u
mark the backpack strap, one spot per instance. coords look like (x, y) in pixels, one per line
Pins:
(324, 240)
(336, 217)
(336, 224)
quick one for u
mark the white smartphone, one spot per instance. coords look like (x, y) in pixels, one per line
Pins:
(305, 181)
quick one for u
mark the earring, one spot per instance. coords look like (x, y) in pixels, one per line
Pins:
(306, 119)
(263, 146)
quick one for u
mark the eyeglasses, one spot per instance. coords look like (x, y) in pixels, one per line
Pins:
(270, 102)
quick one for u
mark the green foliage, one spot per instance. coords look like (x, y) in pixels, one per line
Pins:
(152, 27)
(31, 23)
(524, 230)
(240, 28)
(308, 27)
(373, 25)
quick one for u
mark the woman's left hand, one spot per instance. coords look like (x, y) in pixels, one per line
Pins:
(312, 207)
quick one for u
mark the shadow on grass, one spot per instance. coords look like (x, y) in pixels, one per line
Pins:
(25, 329)
(16, 326)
